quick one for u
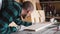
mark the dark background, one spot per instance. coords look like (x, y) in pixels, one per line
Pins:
(49, 0)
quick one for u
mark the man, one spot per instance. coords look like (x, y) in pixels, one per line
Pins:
(12, 11)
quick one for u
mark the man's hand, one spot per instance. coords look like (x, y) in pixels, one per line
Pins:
(12, 24)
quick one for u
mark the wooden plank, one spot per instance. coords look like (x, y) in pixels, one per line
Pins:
(38, 26)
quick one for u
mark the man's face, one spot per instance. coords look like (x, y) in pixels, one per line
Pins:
(25, 13)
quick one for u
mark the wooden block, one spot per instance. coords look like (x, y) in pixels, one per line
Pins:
(42, 15)
(38, 16)
(38, 7)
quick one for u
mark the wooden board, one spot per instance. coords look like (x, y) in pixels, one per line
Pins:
(38, 26)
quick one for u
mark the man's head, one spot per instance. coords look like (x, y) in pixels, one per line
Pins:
(27, 8)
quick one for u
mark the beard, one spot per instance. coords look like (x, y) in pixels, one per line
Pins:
(24, 16)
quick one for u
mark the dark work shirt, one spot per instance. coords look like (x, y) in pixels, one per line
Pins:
(9, 12)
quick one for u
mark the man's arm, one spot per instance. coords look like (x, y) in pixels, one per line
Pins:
(5, 29)
(20, 22)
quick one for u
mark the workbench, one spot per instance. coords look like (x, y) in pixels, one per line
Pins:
(36, 29)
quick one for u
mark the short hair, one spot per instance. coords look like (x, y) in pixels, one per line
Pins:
(28, 6)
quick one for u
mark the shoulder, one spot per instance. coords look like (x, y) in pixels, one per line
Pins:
(18, 6)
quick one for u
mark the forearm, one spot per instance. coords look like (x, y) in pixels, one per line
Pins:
(20, 22)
